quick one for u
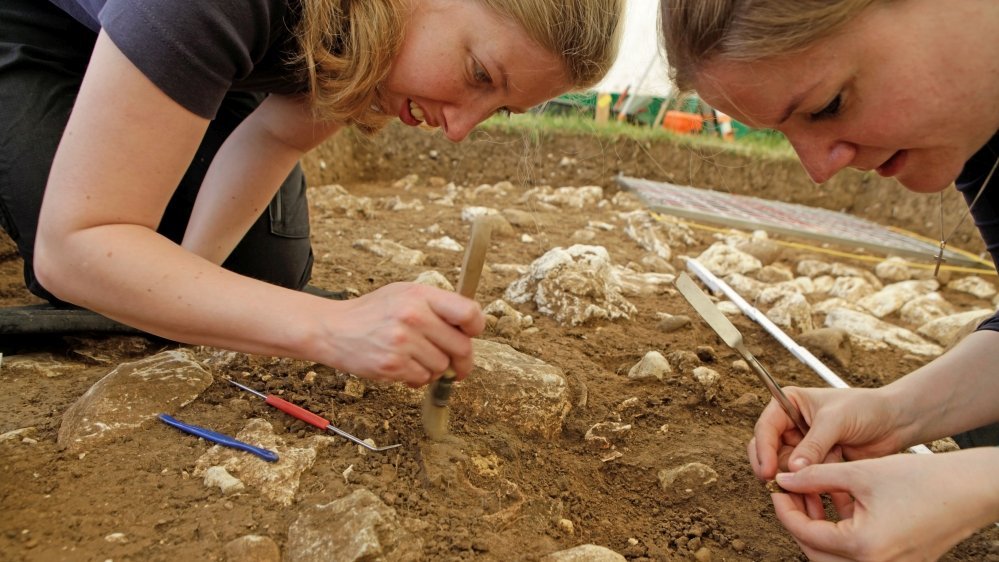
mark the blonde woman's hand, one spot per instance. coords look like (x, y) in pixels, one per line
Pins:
(403, 332)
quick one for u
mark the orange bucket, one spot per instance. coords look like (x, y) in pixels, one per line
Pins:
(683, 122)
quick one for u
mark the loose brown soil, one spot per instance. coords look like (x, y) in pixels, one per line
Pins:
(61, 506)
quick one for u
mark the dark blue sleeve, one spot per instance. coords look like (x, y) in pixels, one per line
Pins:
(986, 210)
(194, 51)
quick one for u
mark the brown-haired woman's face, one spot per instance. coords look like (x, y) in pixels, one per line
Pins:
(907, 90)
(460, 62)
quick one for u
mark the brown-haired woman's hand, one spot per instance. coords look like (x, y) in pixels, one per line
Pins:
(899, 507)
(857, 422)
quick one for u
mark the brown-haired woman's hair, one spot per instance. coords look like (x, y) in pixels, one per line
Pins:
(694, 32)
(346, 47)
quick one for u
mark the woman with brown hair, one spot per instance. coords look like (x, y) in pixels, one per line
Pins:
(909, 89)
(149, 163)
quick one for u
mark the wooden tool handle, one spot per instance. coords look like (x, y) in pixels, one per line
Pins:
(475, 257)
(468, 282)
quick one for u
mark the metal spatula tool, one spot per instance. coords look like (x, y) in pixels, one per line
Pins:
(733, 338)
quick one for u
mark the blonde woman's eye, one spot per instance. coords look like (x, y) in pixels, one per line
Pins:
(832, 109)
(480, 75)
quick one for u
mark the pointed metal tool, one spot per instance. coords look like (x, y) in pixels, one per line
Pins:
(309, 417)
(733, 338)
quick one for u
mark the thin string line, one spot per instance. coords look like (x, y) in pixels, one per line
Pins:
(945, 239)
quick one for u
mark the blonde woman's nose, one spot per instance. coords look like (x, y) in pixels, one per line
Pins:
(460, 121)
(823, 161)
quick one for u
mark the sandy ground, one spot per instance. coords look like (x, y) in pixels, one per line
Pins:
(59, 505)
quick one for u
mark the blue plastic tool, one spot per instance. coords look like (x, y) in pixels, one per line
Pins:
(221, 439)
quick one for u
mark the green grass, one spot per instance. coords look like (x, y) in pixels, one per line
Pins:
(757, 142)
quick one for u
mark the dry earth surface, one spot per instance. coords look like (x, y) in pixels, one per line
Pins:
(581, 454)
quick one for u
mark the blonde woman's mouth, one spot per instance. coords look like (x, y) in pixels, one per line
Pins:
(411, 114)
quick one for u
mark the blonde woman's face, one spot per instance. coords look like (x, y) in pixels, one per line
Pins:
(460, 63)
(907, 90)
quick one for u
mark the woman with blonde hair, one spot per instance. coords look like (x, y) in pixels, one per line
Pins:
(908, 89)
(149, 169)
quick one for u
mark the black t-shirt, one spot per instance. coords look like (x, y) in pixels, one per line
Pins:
(196, 51)
(986, 211)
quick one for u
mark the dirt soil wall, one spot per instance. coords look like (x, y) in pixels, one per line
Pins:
(557, 158)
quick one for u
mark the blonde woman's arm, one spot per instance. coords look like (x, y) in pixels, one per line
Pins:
(125, 149)
(247, 171)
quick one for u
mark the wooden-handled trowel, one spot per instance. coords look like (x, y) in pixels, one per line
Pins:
(733, 338)
(435, 411)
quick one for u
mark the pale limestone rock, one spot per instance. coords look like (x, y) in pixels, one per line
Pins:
(946, 330)
(706, 376)
(39, 365)
(652, 366)
(524, 219)
(445, 243)
(336, 200)
(395, 252)
(497, 190)
(405, 183)
(657, 264)
(508, 268)
(747, 287)
(774, 293)
(761, 248)
(672, 322)
(565, 197)
(573, 286)
(831, 343)
(729, 308)
(893, 270)
(686, 481)
(792, 311)
(851, 288)
(926, 308)
(973, 285)
(130, 395)
(865, 326)
(804, 285)
(813, 268)
(843, 270)
(892, 297)
(252, 548)
(605, 435)
(502, 309)
(722, 260)
(512, 388)
(642, 228)
(584, 236)
(638, 284)
(277, 481)
(499, 226)
(627, 200)
(396, 204)
(774, 273)
(585, 553)
(355, 528)
(434, 278)
(828, 305)
(18, 434)
(219, 477)
(823, 283)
